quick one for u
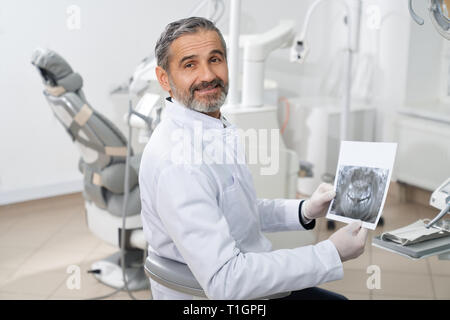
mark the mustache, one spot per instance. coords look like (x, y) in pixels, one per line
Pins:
(204, 84)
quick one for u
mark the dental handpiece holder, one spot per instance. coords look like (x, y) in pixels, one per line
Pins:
(440, 199)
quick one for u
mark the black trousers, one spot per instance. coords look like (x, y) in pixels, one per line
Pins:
(313, 294)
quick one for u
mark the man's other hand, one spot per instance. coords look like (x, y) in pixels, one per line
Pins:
(350, 240)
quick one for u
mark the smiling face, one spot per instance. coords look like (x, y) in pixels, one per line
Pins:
(197, 75)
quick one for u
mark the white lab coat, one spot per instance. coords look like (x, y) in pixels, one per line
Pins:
(207, 215)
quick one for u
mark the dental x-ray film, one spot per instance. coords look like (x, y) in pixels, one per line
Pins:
(362, 182)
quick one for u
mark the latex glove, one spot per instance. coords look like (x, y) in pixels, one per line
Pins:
(317, 205)
(350, 240)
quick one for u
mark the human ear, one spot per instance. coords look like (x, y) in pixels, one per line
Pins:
(163, 78)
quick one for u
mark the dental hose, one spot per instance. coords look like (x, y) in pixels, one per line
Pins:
(148, 121)
(124, 211)
(125, 199)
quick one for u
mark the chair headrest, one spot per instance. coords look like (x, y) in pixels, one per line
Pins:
(55, 71)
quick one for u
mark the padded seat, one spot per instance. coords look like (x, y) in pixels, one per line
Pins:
(177, 276)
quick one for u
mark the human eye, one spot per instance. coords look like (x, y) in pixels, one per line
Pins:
(215, 59)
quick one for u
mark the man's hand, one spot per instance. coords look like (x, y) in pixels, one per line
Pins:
(350, 240)
(317, 206)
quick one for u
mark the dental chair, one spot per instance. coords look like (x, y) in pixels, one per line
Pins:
(177, 276)
(103, 151)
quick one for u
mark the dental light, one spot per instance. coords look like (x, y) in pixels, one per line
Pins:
(439, 14)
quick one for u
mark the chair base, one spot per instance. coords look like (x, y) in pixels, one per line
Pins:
(109, 271)
(106, 226)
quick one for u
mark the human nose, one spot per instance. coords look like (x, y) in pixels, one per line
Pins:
(206, 73)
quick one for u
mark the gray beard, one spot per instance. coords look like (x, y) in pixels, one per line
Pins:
(208, 106)
(190, 102)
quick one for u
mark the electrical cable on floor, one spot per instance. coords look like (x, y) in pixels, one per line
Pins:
(106, 295)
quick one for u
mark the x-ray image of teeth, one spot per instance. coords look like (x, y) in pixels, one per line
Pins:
(359, 192)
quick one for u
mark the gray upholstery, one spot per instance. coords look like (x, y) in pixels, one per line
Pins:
(112, 177)
(101, 144)
(52, 64)
(177, 276)
(172, 274)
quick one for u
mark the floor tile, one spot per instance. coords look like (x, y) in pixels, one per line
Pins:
(101, 251)
(386, 297)
(439, 267)
(405, 285)
(73, 241)
(353, 281)
(21, 296)
(356, 296)
(51, 258)
(28, 236)
(428, 212)
(13, 256)
(76, 223)
(360, 263)
(38, 283)
(6, 224)
(138, 295)
(388, 261)
(6, 274)
(442, 287)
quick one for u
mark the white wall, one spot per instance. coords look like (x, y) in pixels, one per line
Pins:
(38, 158)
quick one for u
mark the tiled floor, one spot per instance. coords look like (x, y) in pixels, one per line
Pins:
(40, 239)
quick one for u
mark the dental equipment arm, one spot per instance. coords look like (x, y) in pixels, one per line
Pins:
(299, 48)
(256, 50)
(143, 74)
(299, 51)
(440, 215)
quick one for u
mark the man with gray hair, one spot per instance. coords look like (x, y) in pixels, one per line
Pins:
(206, 213)
(212, 91)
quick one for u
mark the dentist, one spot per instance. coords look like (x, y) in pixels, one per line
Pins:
(201, 210)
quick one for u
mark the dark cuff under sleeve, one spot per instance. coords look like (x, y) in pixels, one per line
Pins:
(308, 226)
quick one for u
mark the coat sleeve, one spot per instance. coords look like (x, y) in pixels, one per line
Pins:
(280, 215)
(187, 202)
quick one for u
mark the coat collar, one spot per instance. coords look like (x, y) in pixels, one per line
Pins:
(181, 113)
